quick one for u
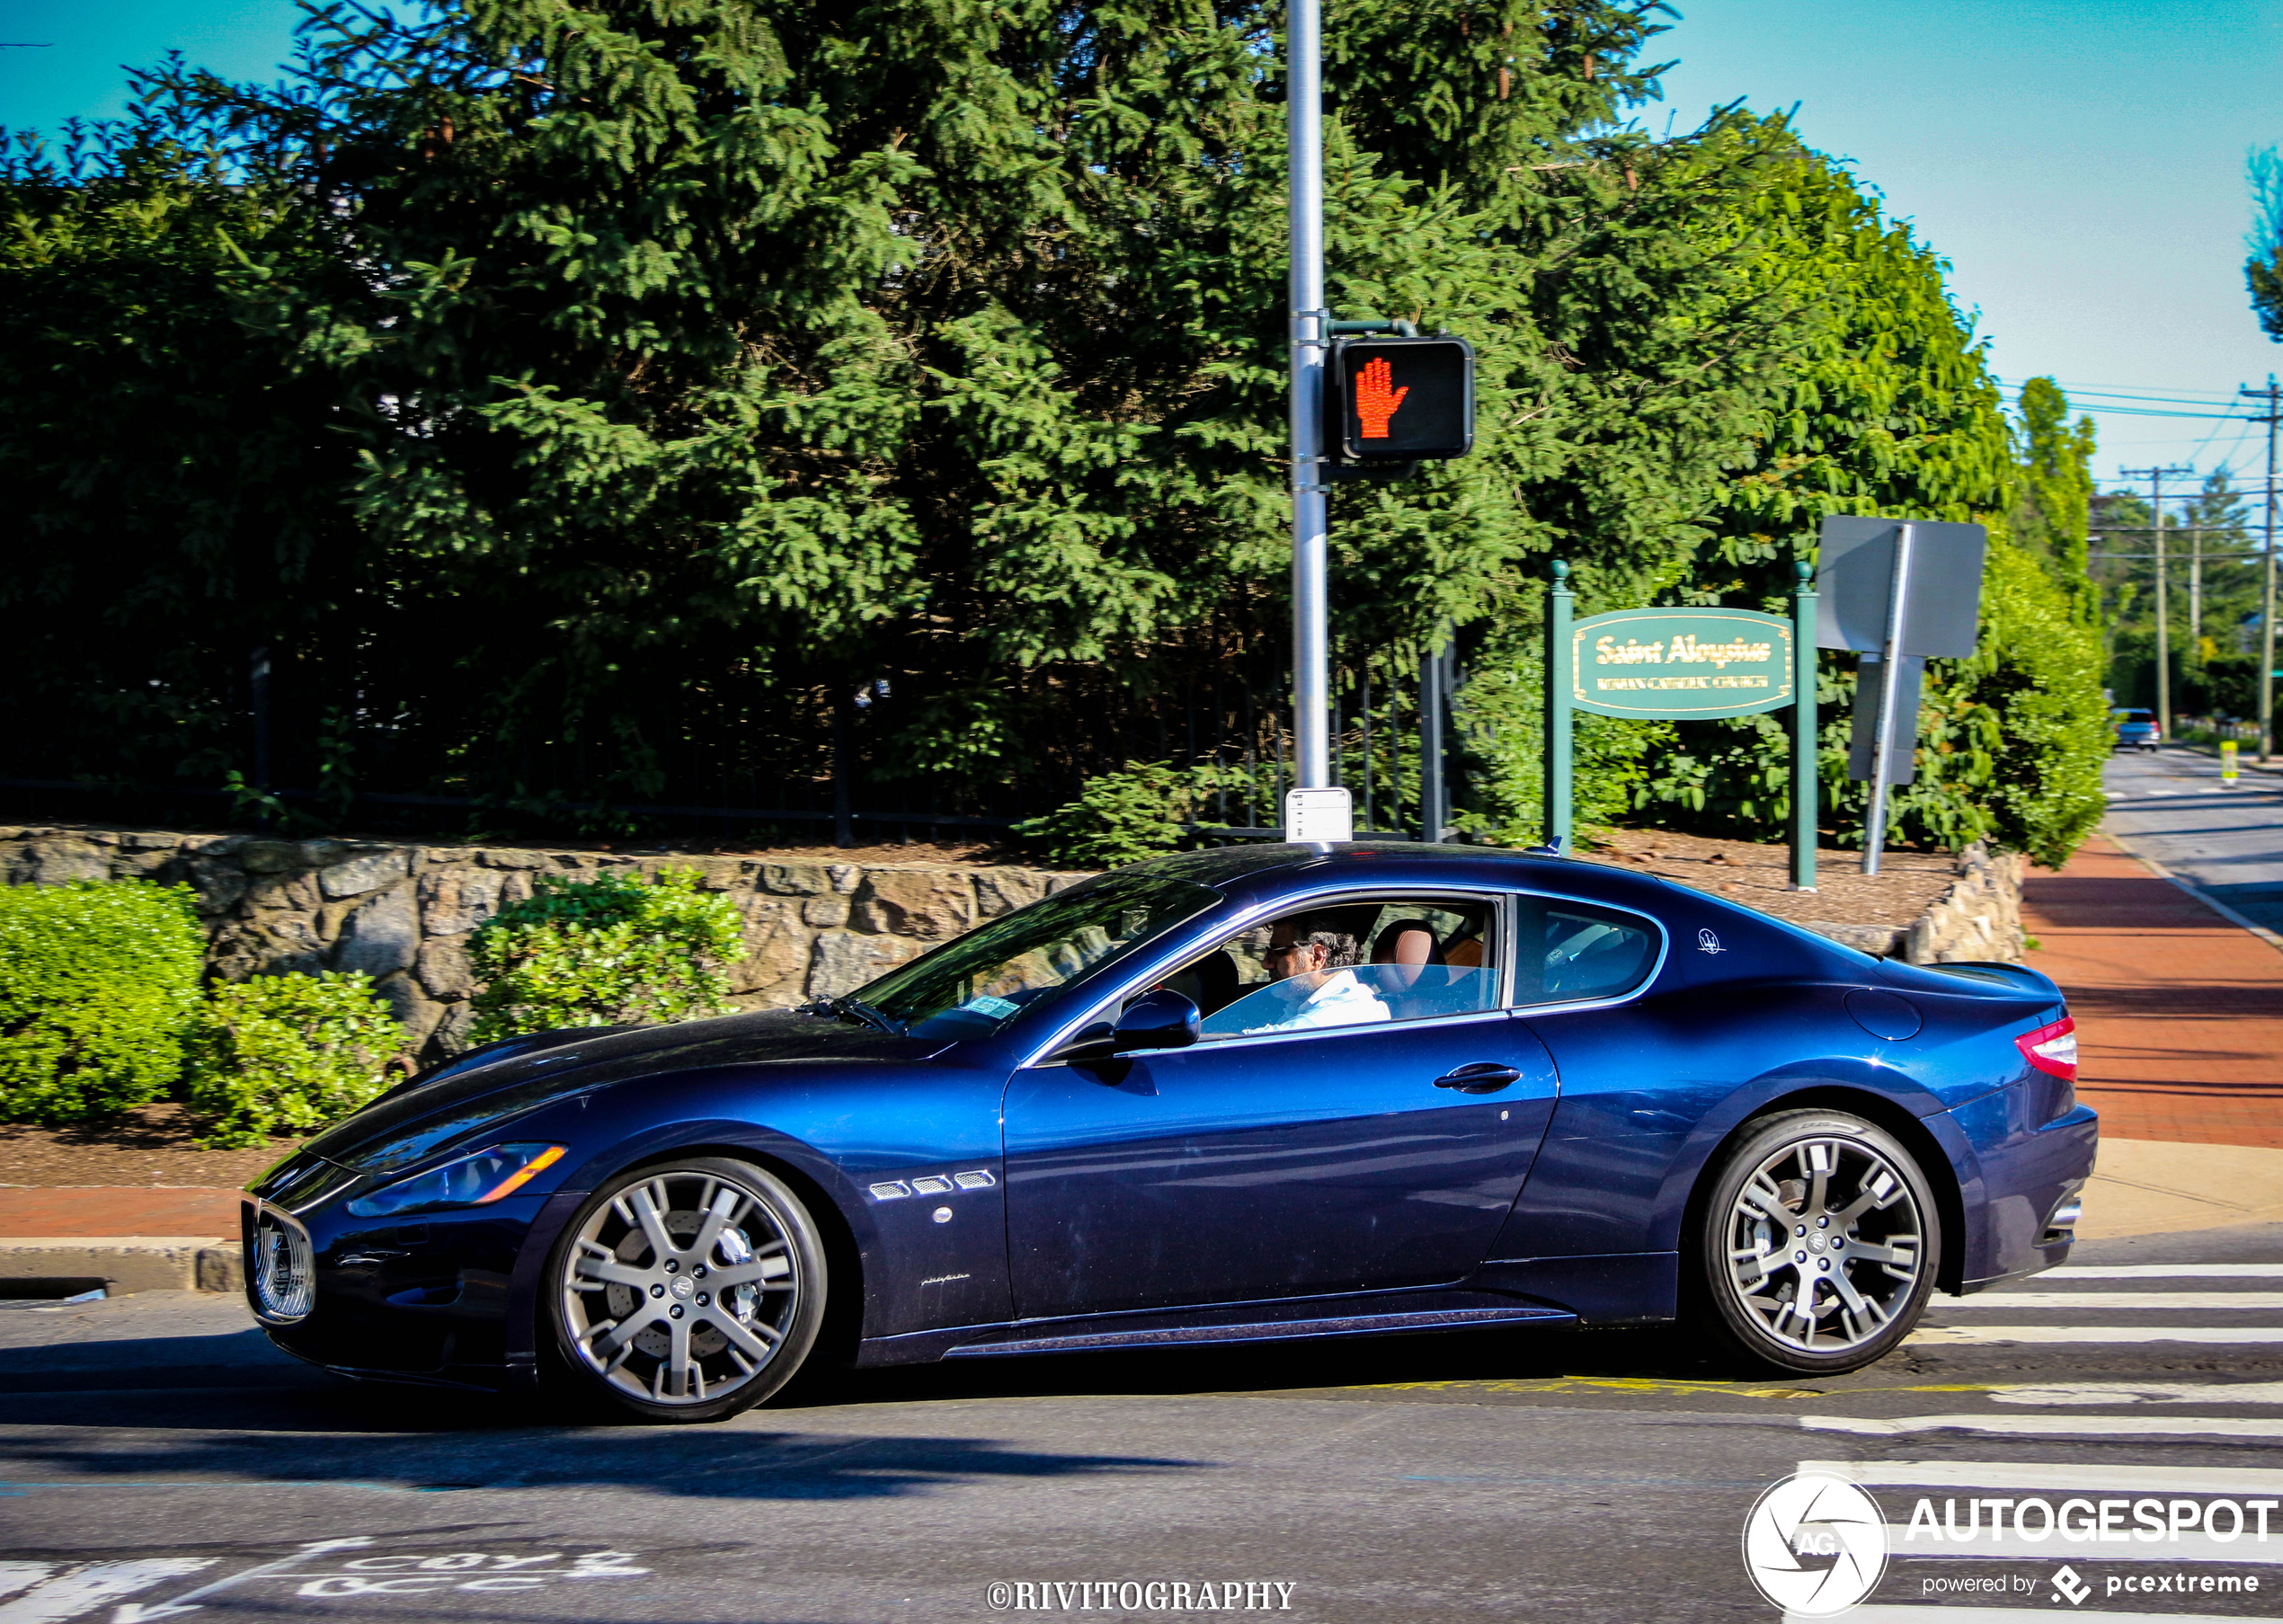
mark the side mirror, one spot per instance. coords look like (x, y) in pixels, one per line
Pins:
(1162, 1019)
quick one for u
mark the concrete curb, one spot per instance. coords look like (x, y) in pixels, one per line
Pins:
(128, 1263)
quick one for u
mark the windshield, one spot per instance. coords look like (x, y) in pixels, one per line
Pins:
(975, 985)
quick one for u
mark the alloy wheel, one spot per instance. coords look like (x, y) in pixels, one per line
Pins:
(683, 1288)
(1826, 1244)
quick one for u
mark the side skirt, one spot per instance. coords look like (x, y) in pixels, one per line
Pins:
(1393, 1314)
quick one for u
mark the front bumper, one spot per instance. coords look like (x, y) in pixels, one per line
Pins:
(424, 1301)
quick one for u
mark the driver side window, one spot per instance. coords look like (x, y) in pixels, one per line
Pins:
(1346, 964)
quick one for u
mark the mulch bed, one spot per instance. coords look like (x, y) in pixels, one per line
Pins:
(1760, 877)
(150, 1146)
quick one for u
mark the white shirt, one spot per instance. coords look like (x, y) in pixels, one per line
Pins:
(1341, 1001)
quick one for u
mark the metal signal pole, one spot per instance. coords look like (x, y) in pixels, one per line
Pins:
(2155, 478)
(2273, 396)
(1310, 342)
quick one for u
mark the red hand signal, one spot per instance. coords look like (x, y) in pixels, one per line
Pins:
(1375, 400)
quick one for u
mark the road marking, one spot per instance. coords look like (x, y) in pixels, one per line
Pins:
(135, 1613)
(2060, 1477)
(2120, 1299)
(2055, 1426)
(1953, 1336)
(2165, 1270)
(2244, 1549)
(2142, 1392)
(80, 1590)
(1890, 1613)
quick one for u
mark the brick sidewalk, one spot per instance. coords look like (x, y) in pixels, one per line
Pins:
(2179, 1013)
(57, 1213)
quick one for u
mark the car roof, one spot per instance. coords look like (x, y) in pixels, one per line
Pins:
(1488, 864)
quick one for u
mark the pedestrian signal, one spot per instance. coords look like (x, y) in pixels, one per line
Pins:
(1402, 399)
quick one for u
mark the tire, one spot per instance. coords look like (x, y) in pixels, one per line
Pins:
(1858, 1222)
(649, 1327)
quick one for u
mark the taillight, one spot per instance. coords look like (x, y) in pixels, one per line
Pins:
(2052, 1050)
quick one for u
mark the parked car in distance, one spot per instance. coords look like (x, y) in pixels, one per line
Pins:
(1238, 1095)
(2137, 730)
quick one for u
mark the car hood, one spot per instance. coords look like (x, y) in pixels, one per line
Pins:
(407, 1124)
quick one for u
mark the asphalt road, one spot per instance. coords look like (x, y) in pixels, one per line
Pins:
(158, 1453)
(2171, 806)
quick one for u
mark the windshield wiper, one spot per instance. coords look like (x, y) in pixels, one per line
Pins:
(862, 1011)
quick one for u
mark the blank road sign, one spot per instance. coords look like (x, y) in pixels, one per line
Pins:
(1401, 399)
(1941, 600)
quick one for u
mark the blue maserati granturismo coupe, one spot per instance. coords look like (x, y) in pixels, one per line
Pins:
(1229, 1096)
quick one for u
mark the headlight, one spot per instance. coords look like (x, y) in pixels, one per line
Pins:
(469, 1182)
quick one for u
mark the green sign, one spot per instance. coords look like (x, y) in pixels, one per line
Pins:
(1681, 662)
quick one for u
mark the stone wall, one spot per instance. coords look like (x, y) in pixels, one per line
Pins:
(402, 913)
(1978, 917)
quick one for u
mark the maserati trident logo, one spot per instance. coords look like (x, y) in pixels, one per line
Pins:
(1705, 942)
(1814, 1544)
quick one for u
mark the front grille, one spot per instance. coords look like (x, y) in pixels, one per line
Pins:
(279, 1280)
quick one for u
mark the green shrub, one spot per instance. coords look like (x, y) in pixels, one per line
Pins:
(598, 953)
(1118, 817)
(99, 982)
(288, 1051)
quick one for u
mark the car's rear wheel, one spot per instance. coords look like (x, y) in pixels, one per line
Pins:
(688, 1290)
(1819, 1244)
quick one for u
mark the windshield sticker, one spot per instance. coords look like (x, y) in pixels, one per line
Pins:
(1000, 1008)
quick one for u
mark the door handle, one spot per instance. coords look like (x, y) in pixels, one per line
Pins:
(1485, 1077)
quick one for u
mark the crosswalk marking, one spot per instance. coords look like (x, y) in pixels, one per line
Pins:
(2241, 1550)
(1889, 1613)
(1938, 1335)
(2168, 1300)
(2053, 1427)
(2163, 1271)
(2141, 1392)
(2055, 1476)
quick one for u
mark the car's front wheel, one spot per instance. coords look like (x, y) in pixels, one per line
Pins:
(688, 1290)
(1820, 1243)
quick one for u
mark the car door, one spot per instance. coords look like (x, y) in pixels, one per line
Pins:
(1274, 1164)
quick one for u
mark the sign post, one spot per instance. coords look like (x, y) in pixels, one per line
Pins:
(1892, 681)
(1559, 796)
(1304, 158)
(1897, 593)
(1671, 664)
(1804, 728)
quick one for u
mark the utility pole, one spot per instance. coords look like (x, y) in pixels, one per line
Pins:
(2196, 592)
(2155, 478)
(2274, 399)
(1310, 341)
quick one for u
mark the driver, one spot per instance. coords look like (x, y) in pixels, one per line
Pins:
(1313, 954)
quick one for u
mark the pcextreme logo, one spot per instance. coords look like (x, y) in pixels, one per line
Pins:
(1814, 1544)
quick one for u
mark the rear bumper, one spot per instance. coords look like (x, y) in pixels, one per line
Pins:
(2024, 1175)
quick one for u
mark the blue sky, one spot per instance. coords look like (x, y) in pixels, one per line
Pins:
(2079, 162)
